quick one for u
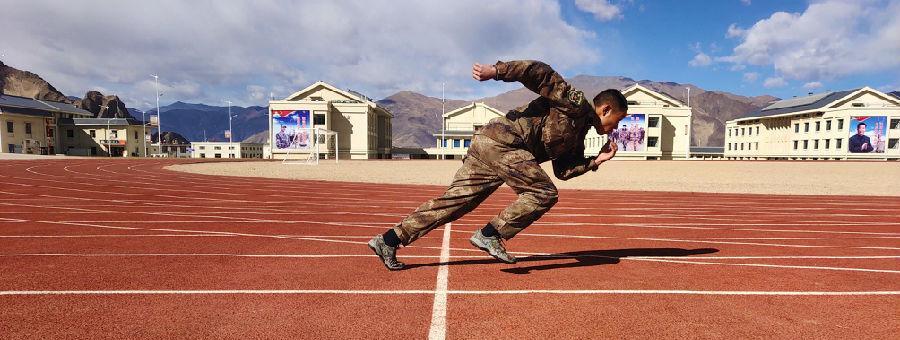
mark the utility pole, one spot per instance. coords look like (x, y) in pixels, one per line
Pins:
(443, 126)
(158, 116)
(230, 132)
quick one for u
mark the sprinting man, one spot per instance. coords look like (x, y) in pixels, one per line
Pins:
(509, 150)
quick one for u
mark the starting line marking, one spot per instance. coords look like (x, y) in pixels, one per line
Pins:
(449, 292)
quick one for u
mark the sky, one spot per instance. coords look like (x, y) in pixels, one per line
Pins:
(208, 51)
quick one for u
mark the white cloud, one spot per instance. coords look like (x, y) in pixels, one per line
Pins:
(738, 67)
(745, 2)
(735, 32)
(812, 85)
(831, 39)
(603, 10)
(773, 82)
(701, 59)
(206, 53)
(751, 77)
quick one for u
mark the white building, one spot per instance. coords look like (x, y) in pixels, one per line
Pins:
(363, 128)
(662, 121)
(819, 126)
(459, 127)
(226, 150)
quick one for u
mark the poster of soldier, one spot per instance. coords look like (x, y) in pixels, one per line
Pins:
(631, 133)
(291, 129)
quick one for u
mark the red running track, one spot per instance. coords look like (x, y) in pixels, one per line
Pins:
(126, 249)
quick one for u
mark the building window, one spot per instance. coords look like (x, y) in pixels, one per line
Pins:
(70, 133)
(202, 147)
(653, 122)
(729, 132)
(230, 148)
(50, 133)
(796, 143)
(135, 134)
(231, 155)
(652, 141)
(757, 130)
(467, 142)
(895, 123)
(827, 144)
(755, 145)
(805, 145)
(444, 143)
(27, 128)
(805, 127)
(9, 127)
(750, 131)
(114, 133)
(840, 124)
(217, 148)
(202, 155)
(456, 143)
(218, 155)
(797, 127)
(818, 126)
(729, 146)
(828, 125)
(742, 146)
(893, 143)
(816, 144)
(742, 131)
(93, 133)
(837, 143)
(319, 119)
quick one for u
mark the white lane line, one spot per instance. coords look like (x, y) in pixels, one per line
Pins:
(686, 261)
(438, 329)
(122, 235)
(449, 292)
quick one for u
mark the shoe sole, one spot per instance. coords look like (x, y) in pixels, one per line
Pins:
(381, 259)
(486, 250)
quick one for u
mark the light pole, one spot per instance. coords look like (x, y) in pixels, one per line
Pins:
(158, 116)
(443, 137)
(230, 132)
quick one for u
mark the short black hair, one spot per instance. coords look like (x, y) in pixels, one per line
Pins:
(612, 97)
(861, 124)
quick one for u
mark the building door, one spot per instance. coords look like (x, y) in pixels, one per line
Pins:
(11, 148)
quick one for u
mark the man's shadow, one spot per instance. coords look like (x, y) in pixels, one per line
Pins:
(581, 258)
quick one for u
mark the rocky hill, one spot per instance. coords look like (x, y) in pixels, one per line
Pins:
(260, 137)
(416, 117)
(26, 84)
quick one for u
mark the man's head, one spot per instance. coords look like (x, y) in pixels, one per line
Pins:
(283, 128)
(861, 129)
(610, 106)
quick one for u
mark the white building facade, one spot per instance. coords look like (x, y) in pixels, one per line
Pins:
(363, 128)
(226, 150)
(854, 124)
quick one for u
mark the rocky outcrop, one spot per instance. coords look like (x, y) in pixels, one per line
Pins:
(26, 84)
(103, 106)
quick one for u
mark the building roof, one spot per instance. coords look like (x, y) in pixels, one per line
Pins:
(99, 121)
(812, 102)
(34, 105)
(659, 94)
(472, 106)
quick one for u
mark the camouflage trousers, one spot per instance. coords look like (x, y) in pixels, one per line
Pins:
(485, 168)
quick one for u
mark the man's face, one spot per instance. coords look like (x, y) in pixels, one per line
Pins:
(861, 129)
(282, 128)
(608, 118)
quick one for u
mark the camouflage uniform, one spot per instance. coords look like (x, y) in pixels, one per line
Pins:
(509, 150)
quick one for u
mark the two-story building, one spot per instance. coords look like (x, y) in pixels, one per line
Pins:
(861, 123)
(363, 128)
(32, 126)
(226, 150)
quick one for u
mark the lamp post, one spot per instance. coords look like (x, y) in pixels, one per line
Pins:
(158, 115)
(230, 132)
(443, 137)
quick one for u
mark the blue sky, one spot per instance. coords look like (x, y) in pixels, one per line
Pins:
(246, 51)
(656, 40)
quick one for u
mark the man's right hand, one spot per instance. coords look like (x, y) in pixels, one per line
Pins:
(606, 153)
(483, 72)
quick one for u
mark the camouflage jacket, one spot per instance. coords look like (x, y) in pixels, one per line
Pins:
(551, 127)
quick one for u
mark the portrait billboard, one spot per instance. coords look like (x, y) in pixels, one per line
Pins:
(291, 130)
(631, 135)
(867, 134)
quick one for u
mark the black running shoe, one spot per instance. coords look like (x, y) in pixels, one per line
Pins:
(387, 253)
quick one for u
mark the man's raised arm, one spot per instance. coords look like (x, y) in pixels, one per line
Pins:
(535, 75)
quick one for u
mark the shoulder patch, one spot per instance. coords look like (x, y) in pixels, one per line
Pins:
(576, 97)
